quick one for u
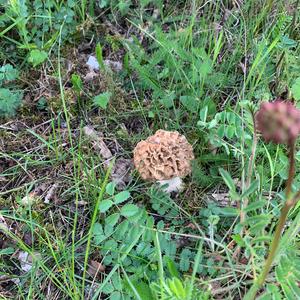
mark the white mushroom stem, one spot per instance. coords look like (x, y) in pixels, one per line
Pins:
(172, 185)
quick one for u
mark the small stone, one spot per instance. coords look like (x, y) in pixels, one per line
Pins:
(93, 63)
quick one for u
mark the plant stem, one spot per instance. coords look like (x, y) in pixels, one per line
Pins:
(249, 171)
(251, 294)
(245, 201)
(293, 24)
(279, 228)
(274, 245)
(291, 171)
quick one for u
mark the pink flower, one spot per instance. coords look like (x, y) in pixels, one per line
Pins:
(278, 121)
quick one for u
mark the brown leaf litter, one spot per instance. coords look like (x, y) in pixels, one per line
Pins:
(121, 171)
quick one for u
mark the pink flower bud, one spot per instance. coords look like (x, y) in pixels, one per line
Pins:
(278, 121)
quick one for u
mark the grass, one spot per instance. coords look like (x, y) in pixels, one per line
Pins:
(200, 68)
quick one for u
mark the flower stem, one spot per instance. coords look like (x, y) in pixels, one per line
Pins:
(274, 245)
(291, 171)
(279, 228)
(249, 173)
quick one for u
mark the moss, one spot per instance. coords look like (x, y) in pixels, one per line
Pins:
(56, 104)
(28, 112)
(5, 203)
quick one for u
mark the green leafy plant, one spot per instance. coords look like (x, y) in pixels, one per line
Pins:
(36, 25)
(99, 56)
(102, 99)
(278, 122)
(8, 73)
(224, 129)
(36, 57)
(77, 83)
(176, 289)
(117, 230)
(176, 72)
(9, 100)
(296, 89)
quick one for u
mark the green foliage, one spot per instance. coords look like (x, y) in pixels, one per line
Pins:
(102, 100)
(77, 83)
(161, 202)
(296, 89)
(36, 57)
(287, 275)
(175, 72)
(122, 6)
(99, 56)
(118, 230)
(200, 176)
(176, 289)
(228, 180)
(7, 251)
(105, 205)
(8, 73)
(9, 100)
(129, 210)
(224, 129)
(38, 23)
(121, 197)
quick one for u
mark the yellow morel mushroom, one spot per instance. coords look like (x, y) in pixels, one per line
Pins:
(164, 157)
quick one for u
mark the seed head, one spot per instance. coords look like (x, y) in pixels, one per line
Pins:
(278, 122)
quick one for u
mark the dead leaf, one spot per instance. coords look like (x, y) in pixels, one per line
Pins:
(82, 203)
(3, 224)
(23, 258)
(2, 179)
(221, 197)
(4, 278)
(26, 260)
(191, 225)
(90, 76)
(114, 65)
(97, 141)
(175, 184)
(51, 193)
(121, 172)
(94, 268)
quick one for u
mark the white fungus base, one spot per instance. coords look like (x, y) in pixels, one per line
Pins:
(172, 185)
